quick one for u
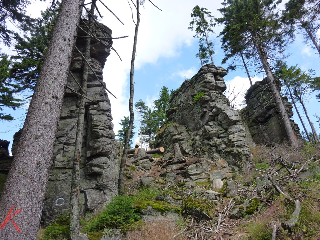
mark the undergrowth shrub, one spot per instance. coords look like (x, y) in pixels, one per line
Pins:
(118, 214)
(58, 230)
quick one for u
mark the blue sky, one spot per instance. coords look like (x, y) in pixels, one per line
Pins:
(165, 56)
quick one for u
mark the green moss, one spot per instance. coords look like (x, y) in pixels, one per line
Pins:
(133, 168)
(253, 206)
(95, 235)
(59, 229)
(193, 205)
(259, 231)
(205, 184)
(262, 165)
(181, 184)
(146, 194)
(157, 155)
(157, 205)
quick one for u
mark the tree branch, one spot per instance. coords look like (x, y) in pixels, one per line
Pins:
(155, 5)
(94, 72)
(111, 12)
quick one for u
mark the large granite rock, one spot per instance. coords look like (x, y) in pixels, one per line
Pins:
(99, 163)
(262, 116)
(202, 124)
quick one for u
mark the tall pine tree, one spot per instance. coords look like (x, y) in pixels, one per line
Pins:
(21, 201)
(259, 22)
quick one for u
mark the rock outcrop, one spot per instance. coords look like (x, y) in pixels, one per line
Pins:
(204, 138)
(262, 116)
(99, 164)
(5, 159)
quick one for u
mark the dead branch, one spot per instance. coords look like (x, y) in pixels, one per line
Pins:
(74, 78)
(131, 11)
(111, 12)
(225, 213)
(72, 90)
(104, 45)
(155, 5)
(103, 38)
(98, 10)
(116, 53)
(274, 231)
(94, 72)
(295, 215)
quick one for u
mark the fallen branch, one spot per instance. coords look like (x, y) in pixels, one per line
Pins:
(274, 231)
(295, 215)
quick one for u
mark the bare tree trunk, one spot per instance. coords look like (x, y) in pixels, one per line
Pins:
(314, 41)
(22, 198)
(295, 106)
(75, 185)
(208, 46)
(245, 66)
(124, 155)
(283, 113)
(314, 133)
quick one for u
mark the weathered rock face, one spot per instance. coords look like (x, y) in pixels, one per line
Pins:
(99, 164)
(201, 122)
(262, 116)
(5, 159)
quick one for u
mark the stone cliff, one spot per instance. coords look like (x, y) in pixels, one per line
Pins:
(99, 164)
(263, 118)
(204, 138)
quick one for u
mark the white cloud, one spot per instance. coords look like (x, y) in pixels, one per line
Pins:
(236, 89)
(189, 73)
(161, 34)
(306, 50)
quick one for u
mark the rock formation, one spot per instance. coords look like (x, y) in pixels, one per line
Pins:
(263, 118)
(5, 159)
(204, 135)
(99, 164)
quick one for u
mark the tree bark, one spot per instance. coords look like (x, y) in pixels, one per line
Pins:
(75, 185)
(283, 113)
(295, 106)
(124, 155)
(245, 66)
(22, 198)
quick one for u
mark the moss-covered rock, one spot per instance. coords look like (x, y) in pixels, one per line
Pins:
(199, 208)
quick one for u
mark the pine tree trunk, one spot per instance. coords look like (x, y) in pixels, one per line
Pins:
(75, 185)
(245, 66)
(22, 198)
(208, 46)
(314, 41)
(295, 106)
(283, 113)
(314, 133)
(126, 145)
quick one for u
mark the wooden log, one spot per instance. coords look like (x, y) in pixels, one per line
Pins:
(133, 150)
(156, 150)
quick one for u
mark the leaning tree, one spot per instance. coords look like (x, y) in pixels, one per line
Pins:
(22, 198)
